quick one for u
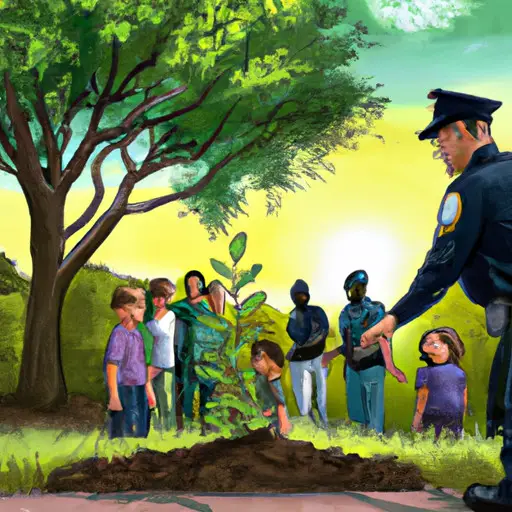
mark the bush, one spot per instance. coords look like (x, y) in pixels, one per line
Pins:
(12, 320)
(87, 321)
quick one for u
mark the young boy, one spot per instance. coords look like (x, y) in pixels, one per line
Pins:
(125, 368)
(267, 359)
(163, 357)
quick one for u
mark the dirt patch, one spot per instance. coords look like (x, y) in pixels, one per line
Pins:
(80, 414)
(254, 463)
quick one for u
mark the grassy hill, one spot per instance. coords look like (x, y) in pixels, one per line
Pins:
(88, 320)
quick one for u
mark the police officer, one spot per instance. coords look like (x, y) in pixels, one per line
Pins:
(472, 245)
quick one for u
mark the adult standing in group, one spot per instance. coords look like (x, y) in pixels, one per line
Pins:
(308, 327)
(472, 245)
(195, 340)
(364, 369)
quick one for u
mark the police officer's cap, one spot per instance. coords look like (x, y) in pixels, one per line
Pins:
(359, 276)
(456, 106)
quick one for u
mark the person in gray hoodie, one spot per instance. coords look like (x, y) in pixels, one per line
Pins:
(308, 328)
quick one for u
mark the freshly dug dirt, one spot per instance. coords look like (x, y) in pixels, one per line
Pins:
(254, 463)
(79, 414)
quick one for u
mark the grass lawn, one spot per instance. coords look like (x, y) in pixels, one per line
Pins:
(449, 464)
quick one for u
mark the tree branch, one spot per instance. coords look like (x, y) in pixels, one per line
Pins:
(99, 189)
(147, 169)
(98, 233)
(177, 113)
(4, 166)
(103, 100)
(151, 204)
(94, 138)
(139, 68)
(206, 146)
(26, 157)
(8, 147)
(128, 161)
(311, 43)
(50, 141)
(150, 103)
(154, 146)
(69, 115)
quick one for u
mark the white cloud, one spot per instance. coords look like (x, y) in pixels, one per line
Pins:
(417, 15)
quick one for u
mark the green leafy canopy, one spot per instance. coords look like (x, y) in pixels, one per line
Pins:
(281, 75)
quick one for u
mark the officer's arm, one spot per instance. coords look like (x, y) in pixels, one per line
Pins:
(446, 260)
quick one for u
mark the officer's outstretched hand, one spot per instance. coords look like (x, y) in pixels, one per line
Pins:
(386, 327)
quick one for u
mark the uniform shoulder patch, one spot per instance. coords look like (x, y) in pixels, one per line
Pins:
(452, 208)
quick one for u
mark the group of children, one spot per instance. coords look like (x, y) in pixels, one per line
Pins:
(149, 362)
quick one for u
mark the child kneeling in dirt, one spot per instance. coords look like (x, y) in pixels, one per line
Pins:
(267, 359)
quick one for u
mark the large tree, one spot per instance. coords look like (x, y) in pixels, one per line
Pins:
(229, 95)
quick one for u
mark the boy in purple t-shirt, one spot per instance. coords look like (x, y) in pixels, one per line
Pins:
(441, 386)
(125, 368)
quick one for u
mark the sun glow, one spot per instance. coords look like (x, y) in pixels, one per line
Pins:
(371, 248)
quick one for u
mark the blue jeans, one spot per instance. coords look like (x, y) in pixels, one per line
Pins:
(302, 383)
(365, 397)
(134, 419)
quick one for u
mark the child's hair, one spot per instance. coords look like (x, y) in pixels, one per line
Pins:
(273, 351)
(161, 287)
(123, 296)
(451, 338)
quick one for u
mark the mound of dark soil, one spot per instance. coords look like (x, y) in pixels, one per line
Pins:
(254, 463)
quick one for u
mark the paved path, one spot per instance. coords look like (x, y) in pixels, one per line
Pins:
(159, 502)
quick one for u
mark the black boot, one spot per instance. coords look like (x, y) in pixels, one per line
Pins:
(489, 498)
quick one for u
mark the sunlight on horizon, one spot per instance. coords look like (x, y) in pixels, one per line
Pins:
(370, 247)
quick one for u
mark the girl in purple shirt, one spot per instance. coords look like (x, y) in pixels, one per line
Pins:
(441, 385)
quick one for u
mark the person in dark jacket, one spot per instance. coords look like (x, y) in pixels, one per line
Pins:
(364, 370)
(308, 327)
(473, 246)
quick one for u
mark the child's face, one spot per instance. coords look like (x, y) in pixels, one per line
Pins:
(160, 302)
(137, 310)
(260, 363)
(436, 348)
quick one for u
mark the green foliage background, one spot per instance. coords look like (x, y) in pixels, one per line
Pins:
(88, 320)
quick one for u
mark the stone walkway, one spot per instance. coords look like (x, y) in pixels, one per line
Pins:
(445, 500)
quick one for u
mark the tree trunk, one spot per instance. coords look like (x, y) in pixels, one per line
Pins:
(41, 382)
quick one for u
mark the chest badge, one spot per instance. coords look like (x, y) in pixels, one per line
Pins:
(450, 213)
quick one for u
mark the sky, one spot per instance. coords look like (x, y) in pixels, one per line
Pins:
(378, 212)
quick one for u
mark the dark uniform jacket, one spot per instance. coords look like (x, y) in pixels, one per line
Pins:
(472, 243)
